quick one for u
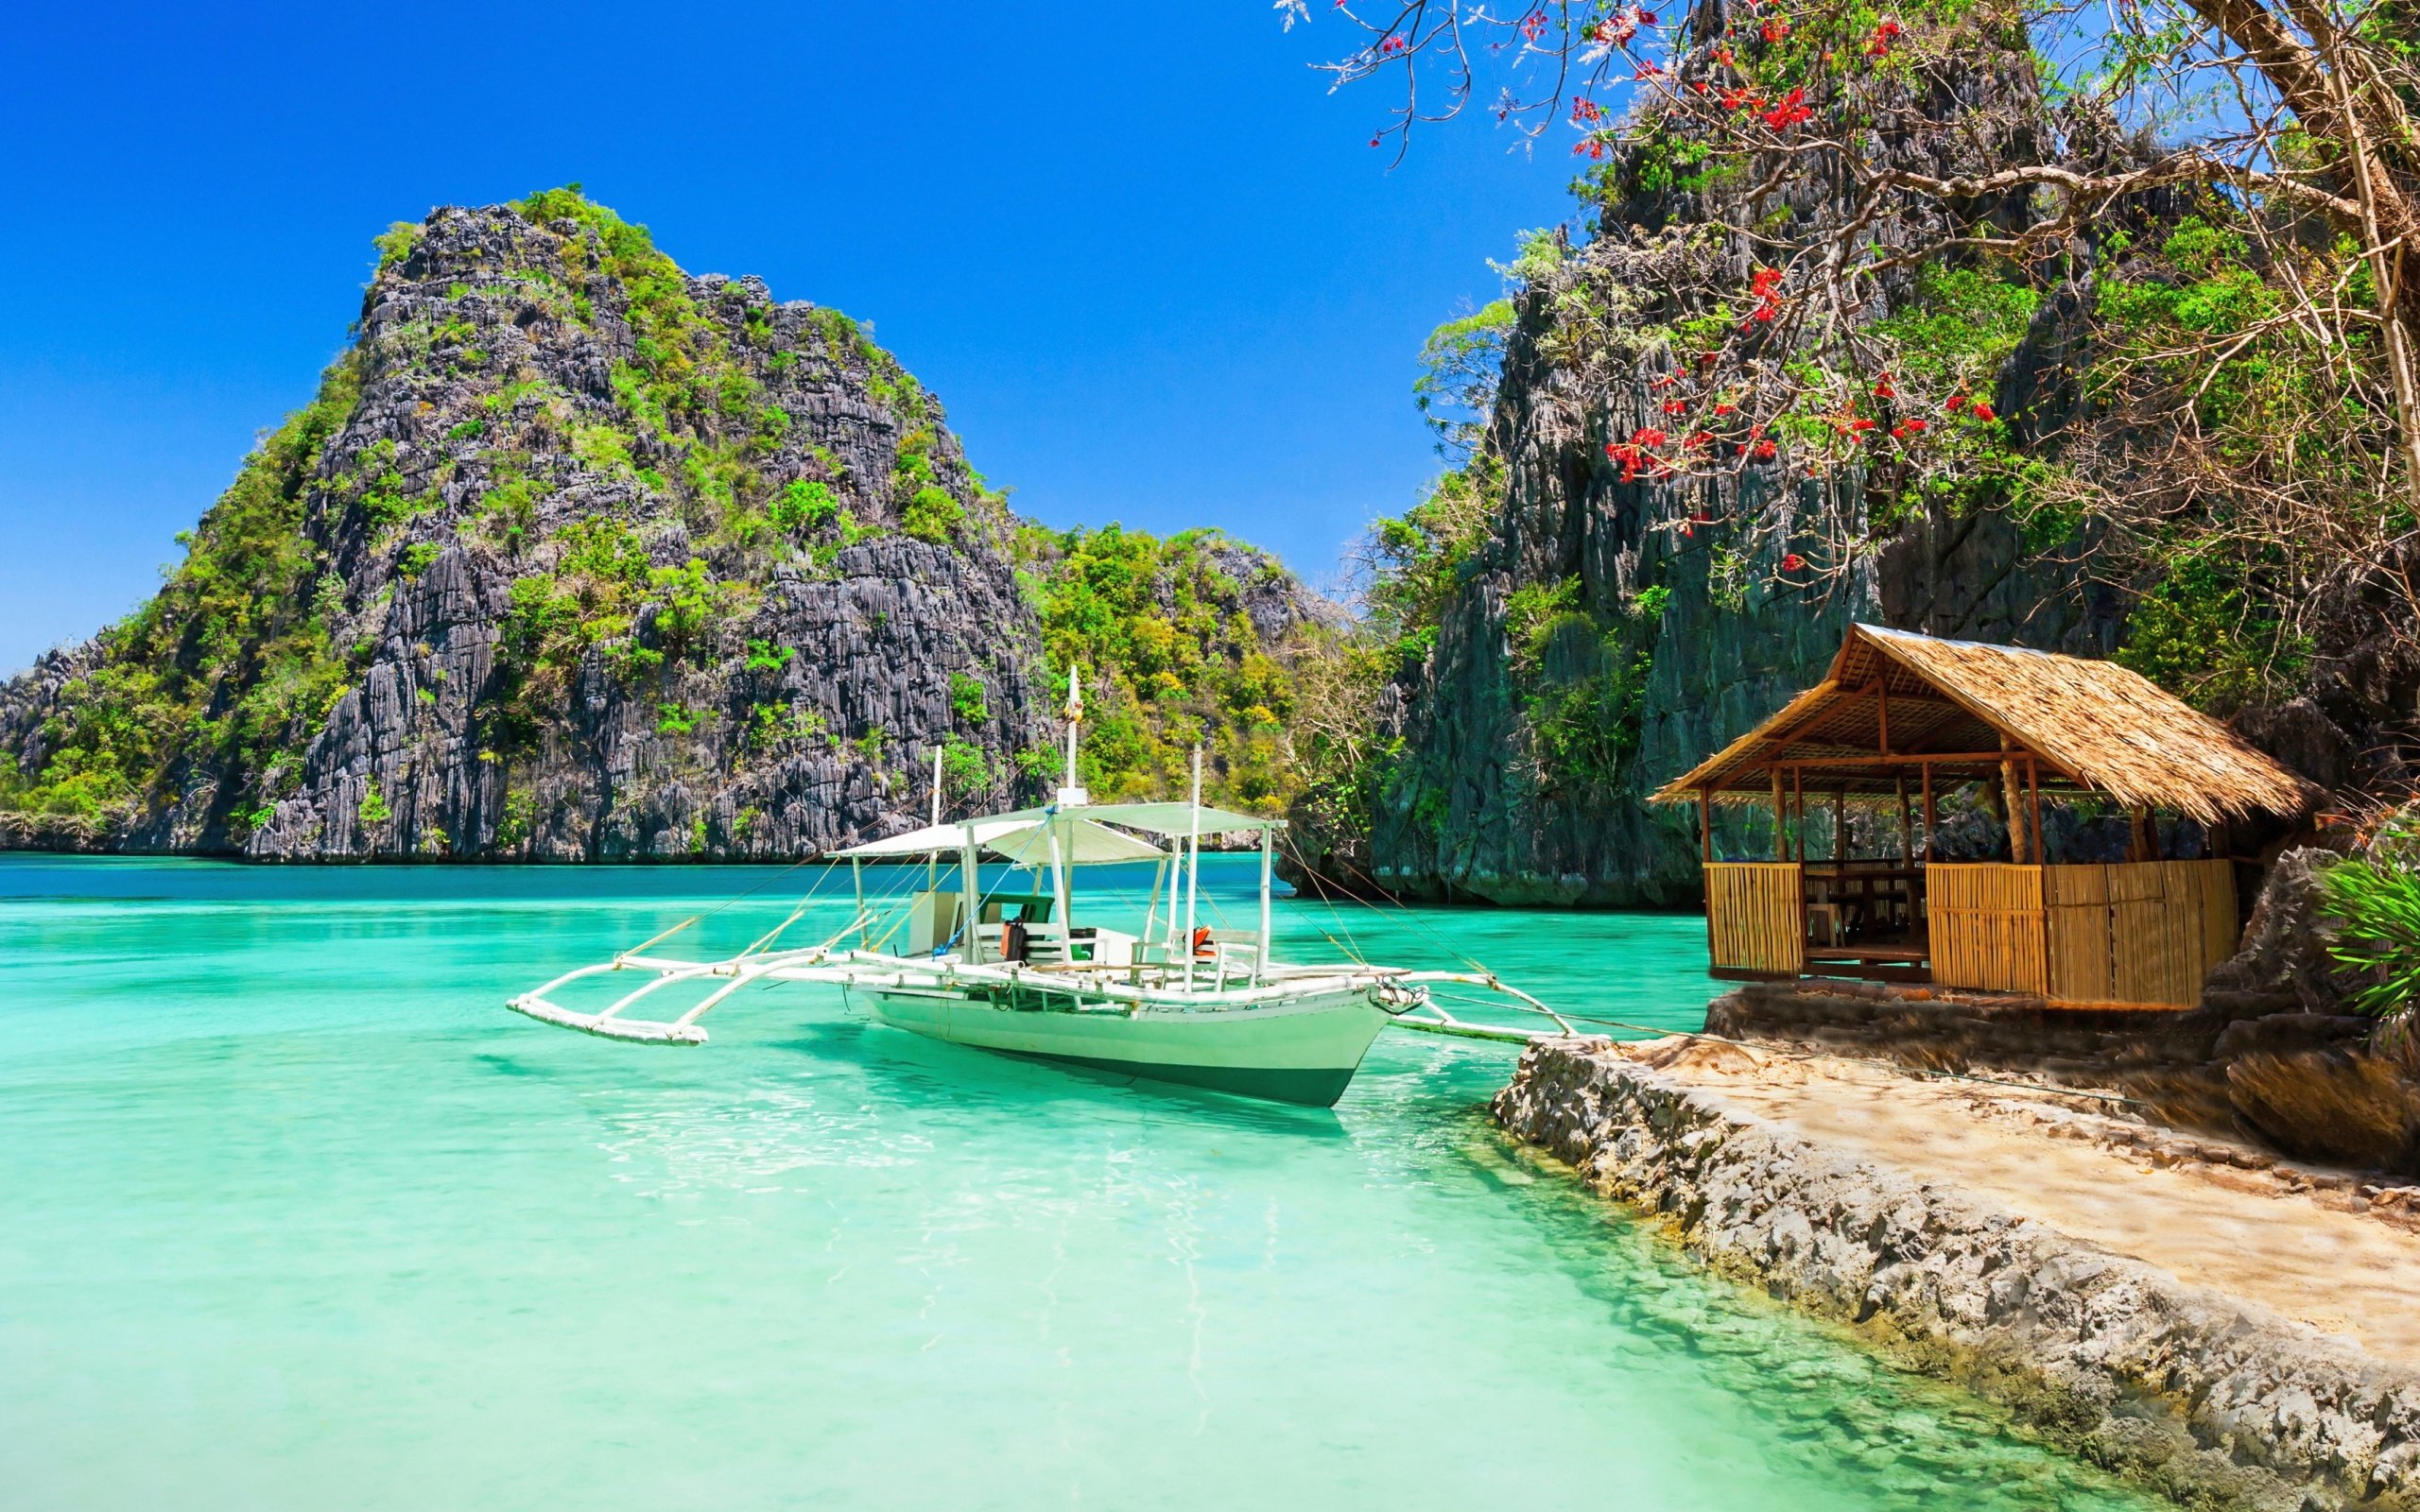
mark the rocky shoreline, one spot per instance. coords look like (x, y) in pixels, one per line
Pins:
(2204, 1397)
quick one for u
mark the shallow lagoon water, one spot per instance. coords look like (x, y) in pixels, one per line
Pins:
(298, 1217)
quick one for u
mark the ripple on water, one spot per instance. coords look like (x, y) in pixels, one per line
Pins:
(292, 1192)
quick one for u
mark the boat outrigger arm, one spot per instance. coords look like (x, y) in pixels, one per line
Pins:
(1402, 993)
(1011, 972)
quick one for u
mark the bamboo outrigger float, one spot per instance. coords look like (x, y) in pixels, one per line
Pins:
(1174, 1001)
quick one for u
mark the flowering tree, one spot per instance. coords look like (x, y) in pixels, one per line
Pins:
(1828, 222)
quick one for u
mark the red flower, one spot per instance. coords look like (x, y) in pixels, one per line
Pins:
(1394, 43)
(1698, 439)
(1648, 435)
(1533, 26)
(1884, 35)
(1585, 112)
(1790, 112)
(1957, 402)
(1722, 56)
(1774, 30)
(1982, 411)
(1592, 149)
(1726, 409)
(1676, 406)
(1913, 424)
(1883, 389)
(1792, 562)
(1764, 451)
(1647, 71)
(1702, 517)
(1702, 87)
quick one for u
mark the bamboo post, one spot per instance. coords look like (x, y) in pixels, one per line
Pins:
(1781, 836)
(1705, 826)
(1906, 839)
(2034, 811)
(2143, 836)
(1931, 821)
(2011, 805)
(1798, 810)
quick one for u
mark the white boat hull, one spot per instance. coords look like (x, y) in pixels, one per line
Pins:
(1302, 1050)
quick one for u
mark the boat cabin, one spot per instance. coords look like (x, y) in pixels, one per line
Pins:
(1854, 772)
(1038, 926)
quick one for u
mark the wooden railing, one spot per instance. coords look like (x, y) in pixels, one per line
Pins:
(1755, 918)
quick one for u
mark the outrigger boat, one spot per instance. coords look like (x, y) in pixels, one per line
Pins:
(1175, 1001)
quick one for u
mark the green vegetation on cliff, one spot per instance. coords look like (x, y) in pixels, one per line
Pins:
(1165, 634)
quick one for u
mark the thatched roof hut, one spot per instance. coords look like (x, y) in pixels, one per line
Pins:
(1895, 702)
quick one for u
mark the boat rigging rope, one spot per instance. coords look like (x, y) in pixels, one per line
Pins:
(735, 898)
(1353, 949)
(1405, 909)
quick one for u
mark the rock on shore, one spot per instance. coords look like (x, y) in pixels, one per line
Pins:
(2209, 1399)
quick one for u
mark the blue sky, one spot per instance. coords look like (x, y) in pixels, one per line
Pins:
(1151, 267)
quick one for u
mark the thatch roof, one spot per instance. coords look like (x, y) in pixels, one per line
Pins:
(2093, 727)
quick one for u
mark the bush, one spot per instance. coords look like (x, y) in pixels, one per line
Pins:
(802, 505)
(2375, 899)
(932, 515)
(966, 698)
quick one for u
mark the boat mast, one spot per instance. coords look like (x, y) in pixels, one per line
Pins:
(1071, 791)
(1071, 794)
(933, 858)
(1192, 866)
(1260, 961)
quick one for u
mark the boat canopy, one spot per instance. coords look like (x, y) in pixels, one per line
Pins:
(1177, 818)
(1021, 838)
(1084, 843)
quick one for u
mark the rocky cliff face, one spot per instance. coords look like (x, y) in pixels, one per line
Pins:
(1606, 636)
(575, 557)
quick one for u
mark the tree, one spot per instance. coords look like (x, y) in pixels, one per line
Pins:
(1827, 223)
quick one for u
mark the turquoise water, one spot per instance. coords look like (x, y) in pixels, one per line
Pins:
(297, 1216)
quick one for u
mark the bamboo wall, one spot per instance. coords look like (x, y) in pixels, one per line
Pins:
(1987, 926)
(2142, 932)
(1755, 920)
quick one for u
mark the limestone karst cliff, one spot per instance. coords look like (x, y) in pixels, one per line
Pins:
(576, 556)
(1566, 631)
